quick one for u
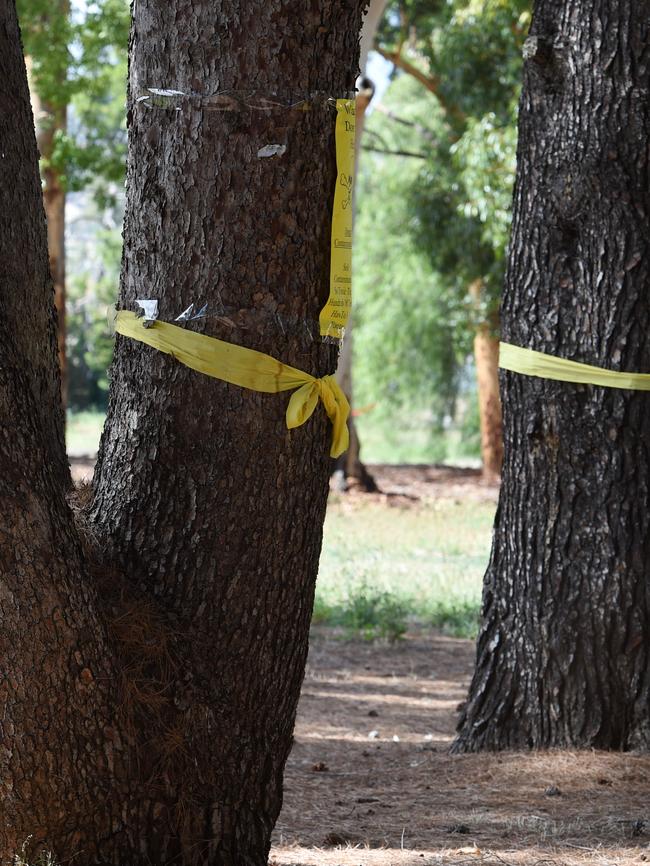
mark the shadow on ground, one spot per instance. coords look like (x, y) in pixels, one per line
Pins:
(370, 779)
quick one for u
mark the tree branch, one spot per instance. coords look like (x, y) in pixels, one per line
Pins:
(424, 132)
(394, 152)
(430, 82)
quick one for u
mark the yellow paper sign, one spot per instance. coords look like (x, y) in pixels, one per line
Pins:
(334, 315)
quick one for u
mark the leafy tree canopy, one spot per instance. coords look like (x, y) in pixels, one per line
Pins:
(434, 196)
(78, 60)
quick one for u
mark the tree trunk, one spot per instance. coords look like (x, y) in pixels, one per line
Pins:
(486, 355)
(54, 201)
(154, 649)
(52, 645)
(562, 657)
(52, 120)
(350, 464)
(486, 358)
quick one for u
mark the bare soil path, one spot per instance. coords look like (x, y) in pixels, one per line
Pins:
(370, 780)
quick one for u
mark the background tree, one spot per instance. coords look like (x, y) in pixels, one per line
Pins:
(562, 658)
(350, 464)
(443, 142)
(77, 62)
(153, 647)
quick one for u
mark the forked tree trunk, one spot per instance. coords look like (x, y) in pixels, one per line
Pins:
(53, 779)
(562, 658)
(153, 650)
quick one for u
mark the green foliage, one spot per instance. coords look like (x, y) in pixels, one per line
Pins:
(94, 151)
(406, 314)
(432, 228)
(383, 566)
(78, 62)
(472, 47)
(43, 858)
(366, 613)
(92, 287)
(476, 50)
(455, 617)
(470, 51)
(485, 161)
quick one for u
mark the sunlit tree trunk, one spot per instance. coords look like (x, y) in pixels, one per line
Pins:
(486, 359)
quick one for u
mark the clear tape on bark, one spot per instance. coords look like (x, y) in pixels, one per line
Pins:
(189, 314)
(169, 99)
(531, 363)
(246, 368)
(148, 311)
(271, 150)
(111, 317)
(294, 328)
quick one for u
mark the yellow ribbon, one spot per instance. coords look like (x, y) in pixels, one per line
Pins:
(247, 369)
(532, 363)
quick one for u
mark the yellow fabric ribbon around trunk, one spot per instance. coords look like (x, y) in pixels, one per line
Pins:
(247, 369)
(532, 363)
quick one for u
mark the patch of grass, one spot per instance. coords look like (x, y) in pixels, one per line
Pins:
(42, 858)
(416, 439)
(455, 617)
(83, 432)
(383, 566)
(365, 613)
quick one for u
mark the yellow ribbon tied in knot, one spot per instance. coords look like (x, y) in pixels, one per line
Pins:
(246, 368)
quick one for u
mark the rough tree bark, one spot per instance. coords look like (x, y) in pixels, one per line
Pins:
(562, 657)
(55, 120)
(153, 644)
(51, 120)
(50, 636)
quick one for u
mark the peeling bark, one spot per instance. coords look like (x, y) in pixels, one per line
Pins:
(562, 658)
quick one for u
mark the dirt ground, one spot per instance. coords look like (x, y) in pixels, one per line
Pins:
(419, 483)
(406, 483)
(370, 781)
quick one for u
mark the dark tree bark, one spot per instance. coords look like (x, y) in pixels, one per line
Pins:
(153, 644)
(54, 200)
(562, 657)
(51, 120)
(52, 644)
